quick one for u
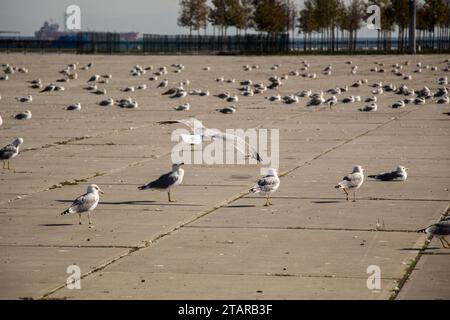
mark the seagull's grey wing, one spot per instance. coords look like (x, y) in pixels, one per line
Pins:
(387, 176)
(266, 184)
(237, 142)
(351, 180)
(195, 125)
(164, 181)
(83, 203)
(442, 228)
(7, 152)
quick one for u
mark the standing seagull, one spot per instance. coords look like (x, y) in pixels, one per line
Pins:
(85, 203)
(400, 174)
(267, 185)
(353, 180)
(440, 230)
(167, 181)
(10, 151)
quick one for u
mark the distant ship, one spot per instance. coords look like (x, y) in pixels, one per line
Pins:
(50, 31)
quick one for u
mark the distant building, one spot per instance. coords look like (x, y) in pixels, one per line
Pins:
(50, 31)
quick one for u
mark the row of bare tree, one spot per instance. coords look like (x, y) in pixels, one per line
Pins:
(325, 21)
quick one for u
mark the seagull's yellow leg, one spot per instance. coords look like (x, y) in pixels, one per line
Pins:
(89, 217)
(448, 244)
(170, 200)
(9, 168)
(346, 194)
(79, 220)
(267, 201)
(354, 196)
(3, 162)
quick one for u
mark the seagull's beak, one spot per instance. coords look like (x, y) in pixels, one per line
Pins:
(406, 169)
(182, 164)
(101, 191)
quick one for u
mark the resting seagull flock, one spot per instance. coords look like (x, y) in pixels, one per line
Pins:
(399, 174)
(352, 181)
(85, 203)
(10, 151)
(167, 181)
(267, 185)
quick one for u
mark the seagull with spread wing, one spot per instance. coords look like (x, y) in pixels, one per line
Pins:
(204, 133)
(214, 134)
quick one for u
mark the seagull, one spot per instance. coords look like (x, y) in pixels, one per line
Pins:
(1, 121)
(25, 99)
(106, 103)
(351, 99)
(183, 107)
(141, 87)
(163, 84)
(353, 180)
(331, 101)
(267, 185)
(128, 89)
(74, 107)
(207, 134)
(4, 78)
(10, 151)
(25, 115)
(371, 99)
(369, 108)
(94, 78)
(227, 110)
(127, 103)
(99, 92)
(167, 181)
(85, 203)
(398, 104)
(275, 98)
(439, 230)
(443, 100)
(232, 98)
(399, 174)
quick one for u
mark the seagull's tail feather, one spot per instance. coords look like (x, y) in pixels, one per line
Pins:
(144, 187)
(338, 186)
(255, 189)
(373, 176)
(421, 231)
(65, 212)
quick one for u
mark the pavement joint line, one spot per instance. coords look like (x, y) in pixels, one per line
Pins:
(64, 246)
(416, 259)
(304, 228)
(359, 199)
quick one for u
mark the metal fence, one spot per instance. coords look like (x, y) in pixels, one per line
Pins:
(247, 44)
(110, 43)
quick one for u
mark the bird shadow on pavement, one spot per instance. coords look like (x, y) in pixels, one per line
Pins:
(56, 225)
(327, 202)
(241, 206)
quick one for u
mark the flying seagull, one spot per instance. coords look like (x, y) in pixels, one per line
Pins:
(85, 203)
(167, 181)
(399, 174)
(353, 181)
(206, 134)
(439, 230)
(267, 185)
(10, 151)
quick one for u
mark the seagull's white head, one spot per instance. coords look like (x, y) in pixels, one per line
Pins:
(358, 169)
(177, 166)
(93, 188)
(402, 169)
(272, 172)
(17, 142)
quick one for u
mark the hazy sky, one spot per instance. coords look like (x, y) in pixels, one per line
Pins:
(144, 16)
